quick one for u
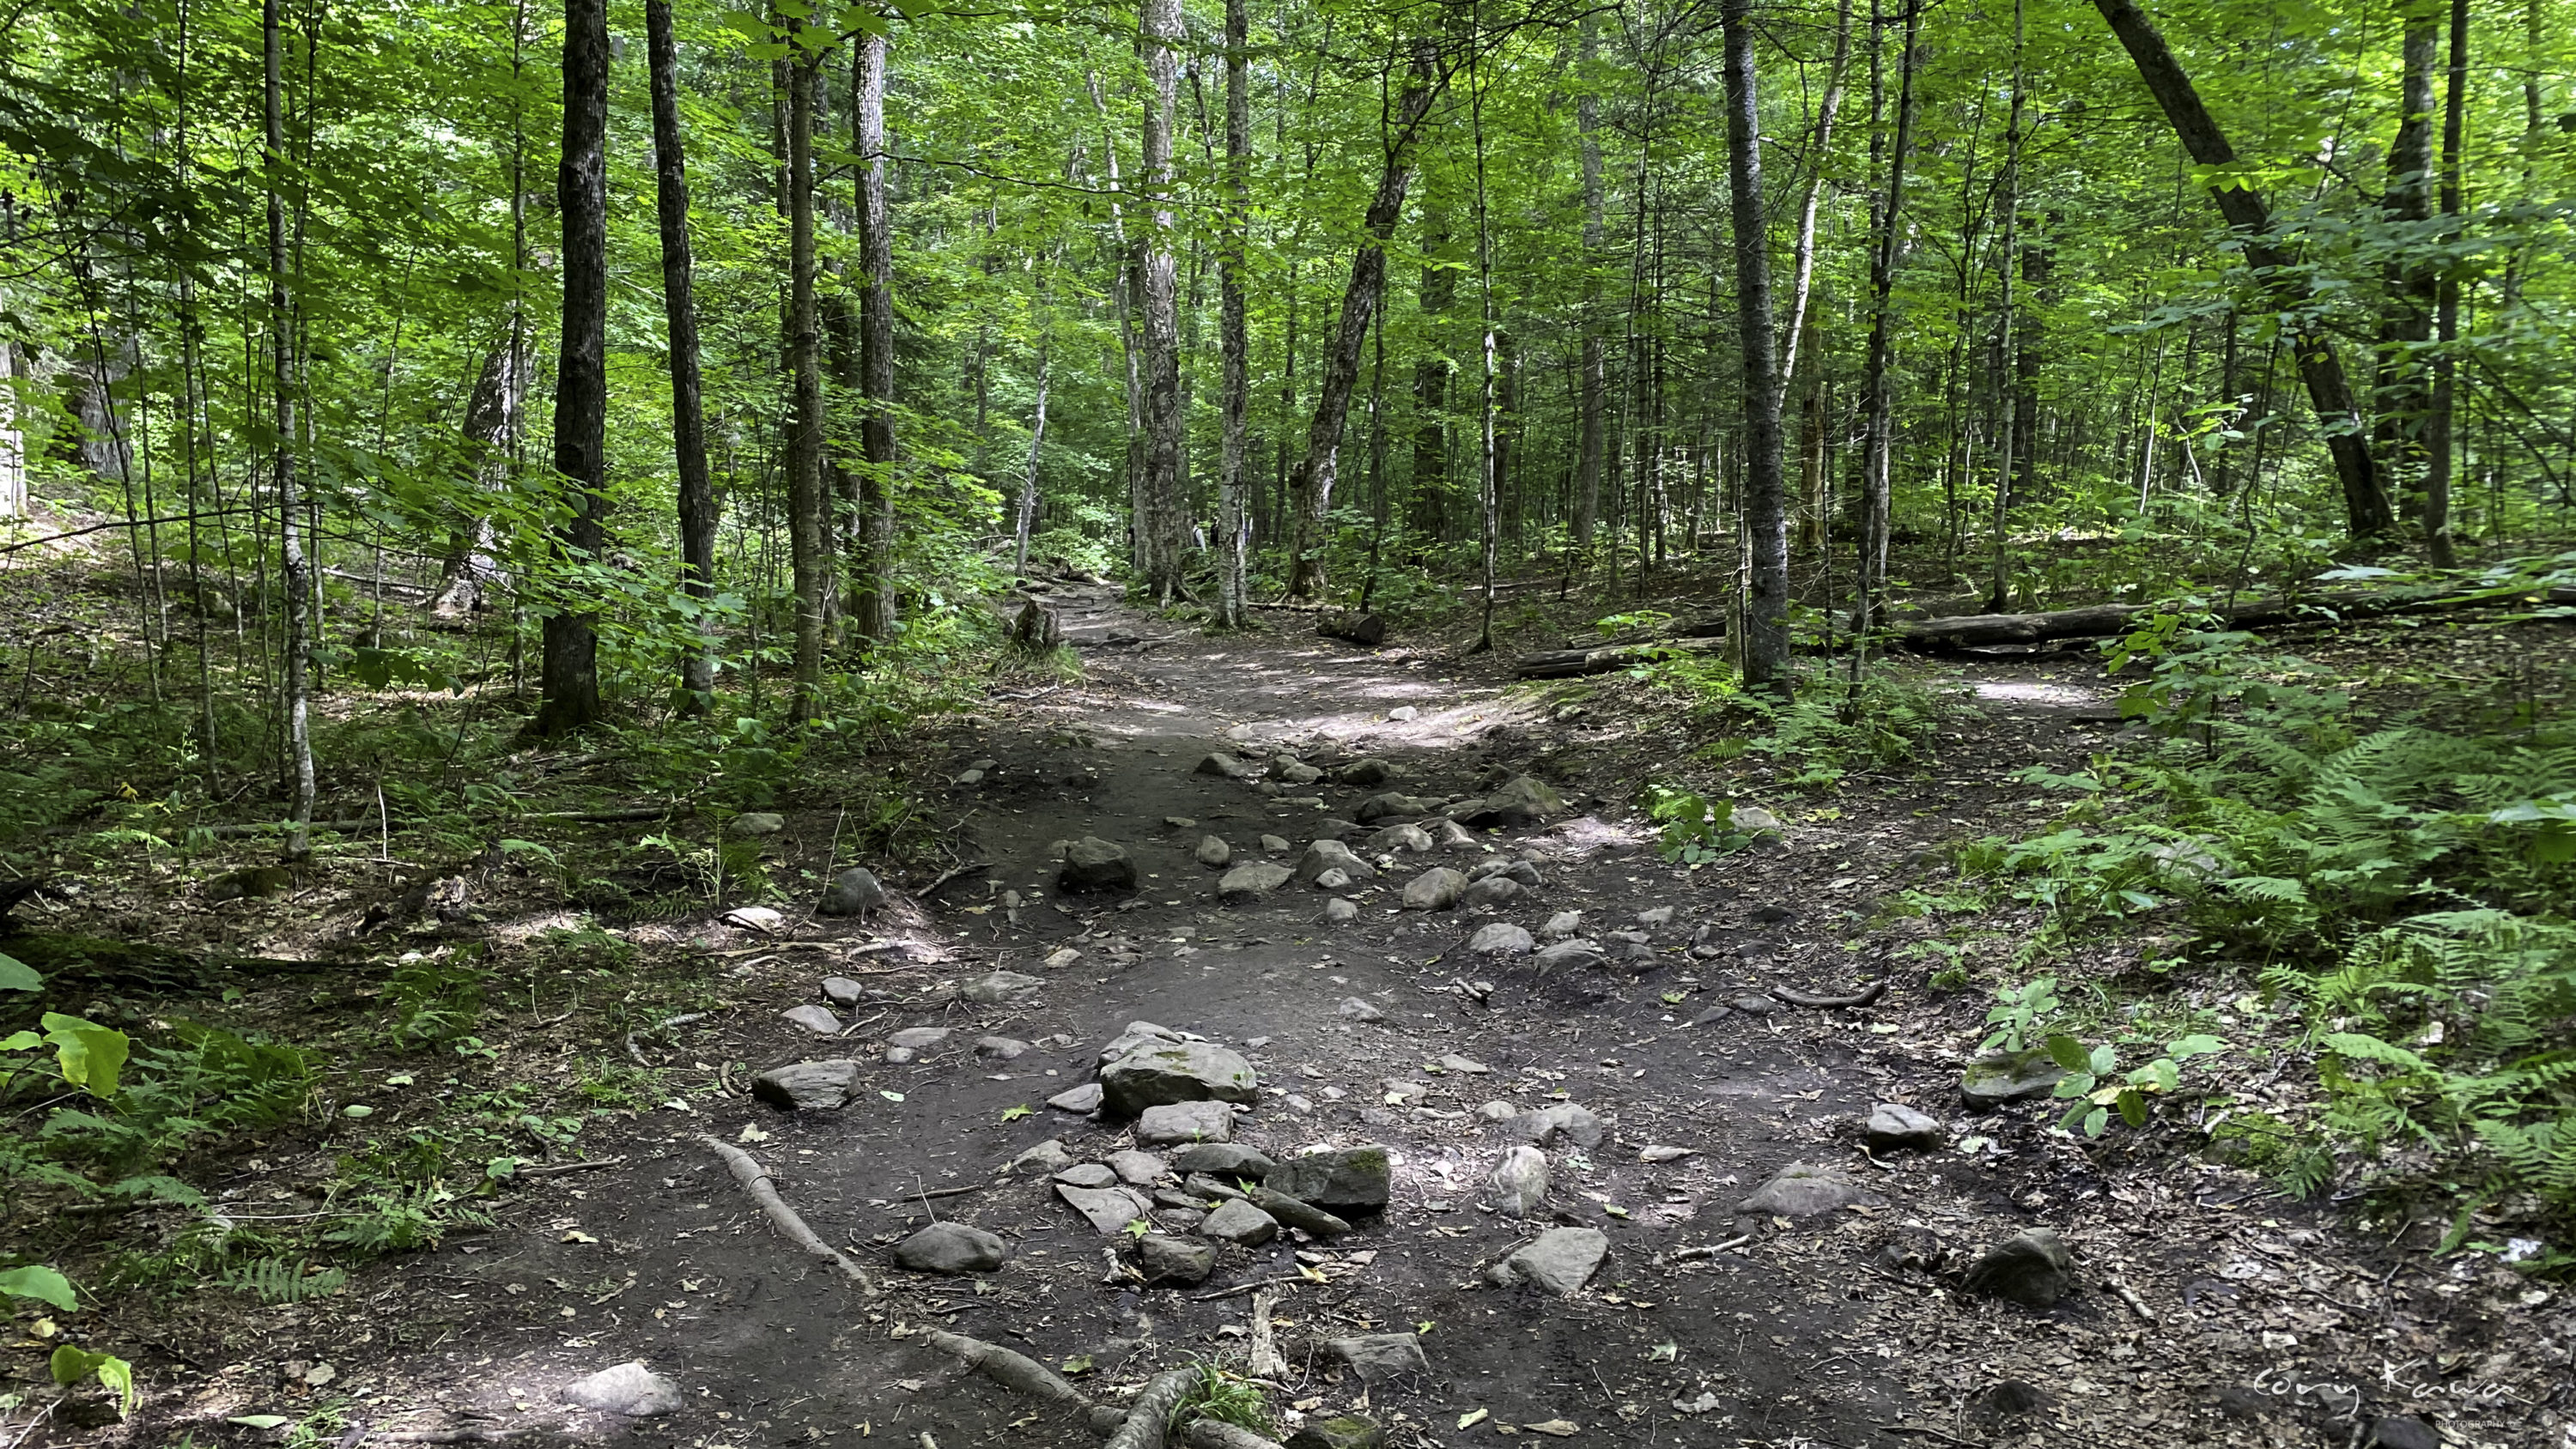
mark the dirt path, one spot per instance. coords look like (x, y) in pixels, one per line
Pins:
(1704, 1324)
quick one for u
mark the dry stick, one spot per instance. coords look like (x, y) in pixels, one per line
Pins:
(755, 1181)
(1862, 997)
(2130, 1296)
(1152, 1410)
(1264, 1361)
(926, 892)
(1710, 1251)
(558, 1169)
(1012, 1370)
(1254, 1286)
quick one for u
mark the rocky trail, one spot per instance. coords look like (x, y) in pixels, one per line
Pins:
(1434, 1099)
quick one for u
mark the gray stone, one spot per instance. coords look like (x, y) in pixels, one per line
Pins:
(1404, 714)
(1292, 772)
(1378, 1357)
(1089, 1174)
(1518, 1183)
(1519, 872)
(1240, 1223)
(1893, 1125)
(1394, 804)
(1133, 1035)
(1450, 835)
(1297, 1213)
(1227, 767)
(2000, 1077)
(842, 991)
(1802, 1190)
(1659, 916)
(854, 892)
(1329, 828)
(1519, 801)
(1497, 1112)
(1326, 855)
(1001, 1048)
(918, 1037)
(1083, 1100)
(1500, 938)
(1343, 1431)
(1490, 894)
(1561, 1261)
(995, 987)
(1574, 954)
(1754, 1004)
(1353, 1008)
(1184, 1122)
(1559, 1123)
(1108, 1209)
(816, 1019)
(951, 1248)
(897, 1056)
(1205, 1186)
(2402, 1433)
(1365, 774)
(1464, 1066)
(1138, 1169)
(1755, 820)
(1251, 881)
(1181, 1071)
(1167, 1259)
(629, 1389)
(1094, 864)
(1274, 845)
(814, 1085)
(756, 823)
(1049, 1157)
(1223, 1159)
(1436, 889)
(1346, 1177)
(1400, 837)
(1214, 853)
(2031, 1268)
(1333, 880)
(1337, 910)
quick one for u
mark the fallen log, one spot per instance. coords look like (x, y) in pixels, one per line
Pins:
(1572, 663)
(1363, 629)
(2097, 621)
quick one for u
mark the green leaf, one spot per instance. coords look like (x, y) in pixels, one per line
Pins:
(2196, 1045)
(2104, 1059)
(2133, 1107)
(40, 1283)
(2069, 1053)
(501, 1168)
(2079, 1084)
(18, 1041)
(71, 1365)
(1080, 1363)
(118, 1376)
(261, 1421)
(2096, 1120)
(17, 975)
(1013, 1114)
(90, 1054)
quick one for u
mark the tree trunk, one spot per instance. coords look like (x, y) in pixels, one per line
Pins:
(2008, 452)
(1589, 383)
(871, 552)
(294, 571)
(697, 504)
(1312, 486)
(1878, 381)
(2403, 401)
(1438, 294)
(1820, 148)
(1766, 642)
(13, 439)
(2367, 512)
(1234, 521)
(1027, 513)
(2436, 516)
(569, 677)
(1163, 527)
(472, 570)
(805, 509)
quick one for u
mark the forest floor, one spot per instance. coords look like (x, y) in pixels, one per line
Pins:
(2205, 1308)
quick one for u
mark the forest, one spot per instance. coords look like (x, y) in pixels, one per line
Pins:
(1978, 593)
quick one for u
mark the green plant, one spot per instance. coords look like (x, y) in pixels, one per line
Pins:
(69, 1365)
(1227, 1397)
(1696, 830)
(2087, 1081)
(434, 1000)
(283, 1280)
(2018, 1013)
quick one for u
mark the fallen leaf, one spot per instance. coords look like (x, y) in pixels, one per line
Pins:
(1013, 1114)
(1078, 1364)
(261, 1421)
(890, 1096)
(1470, 1421)
(751, 1133)
(577, 1236)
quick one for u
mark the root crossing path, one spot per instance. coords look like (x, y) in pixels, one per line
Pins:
(1600, 1184)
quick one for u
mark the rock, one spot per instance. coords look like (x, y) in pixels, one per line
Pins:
(1399, 837)
(1223, 1159)
(1365, 774)
(1326, 855)
(1991, 1406)
(2396, 1433)
(1404, 714)
(1521, 871)
(1061, 956)
(1337, 910)
(1560, 1262)
(1297, 1213)
(1108, 1209)
(1519, 801)
(854, 892)
(897, 1056)
(1377, 1357)
(1501, 938)
(1464, 1066)
(1436, 889)
(918, 1037)
(1214, 853)
(1894, 1125)
(755, 823)
(1049, 1157)
(1345, 1431)
(630, 1389)
(1518, 1183)
(1083, 1100)
(1353, 1008)
(1333, 880)
(1559, 1123)
(1181, 1071)
(1167, 1259)
(1204, 1186)
(1754, 1004)
(1183, 1122)
(842, 991)
(1574, 954)
(1001, 1048)
(1562, 926)
(1347, 1177)
(2030, 1268)
(1274, 845)
(951, 1248)
(1329, 828)
(1089, 1174)
(994, 987)
(816, 1019)
(1133, 1035)
(1801, 1190)
(2000, 1077)
(1394, 803)
(1659, 916)
(1291, 772)
(1094, 864)
(1498, 1112)
(1240, 1223)
(755, 918)
(1756, 820)
(1664, 1152)
(1490, 894)
(1227, 767)
(1138, 1169)
(1251, 881)
(815, 1085)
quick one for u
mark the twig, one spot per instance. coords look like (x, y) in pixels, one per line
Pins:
(945, 876)
(1862, 997)
(1253, 1286)
(1264, 1362)
(558, 1169)
(1711, 1250)
(755, 1181)
(2138, 1305)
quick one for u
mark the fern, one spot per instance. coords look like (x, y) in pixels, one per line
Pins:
(277, 1280)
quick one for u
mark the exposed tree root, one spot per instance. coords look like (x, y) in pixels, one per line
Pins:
(755, 1181)
(1862, 997)
(1148, 1417)
(1012, 1370)
(1218, 1434)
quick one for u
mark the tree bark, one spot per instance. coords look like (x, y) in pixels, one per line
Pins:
(1804, 280)
(472, 568)
(871, 552)
(1160, 36)
(294, 571)
(1878, 382)
(697, 504)
(13, 439)
(1312, 486)
(2367, 512)
(805, 508)
(1766, 642)
(1439, 293)
(1234, 520)
(1027, 512)
(2008, 453)
(569, 676)
(1589, 382)
(2403, 396)
(2436, 515)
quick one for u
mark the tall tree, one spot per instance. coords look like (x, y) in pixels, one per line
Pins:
(1878, 378)
(2438, 458)
(569, 676)
(871, 553)
(1589, 364)
(1766, 631)
(1234, 519)
(1163, 526)
(2404, 394)
(295, 578)
(806, 512)
(697, 502)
